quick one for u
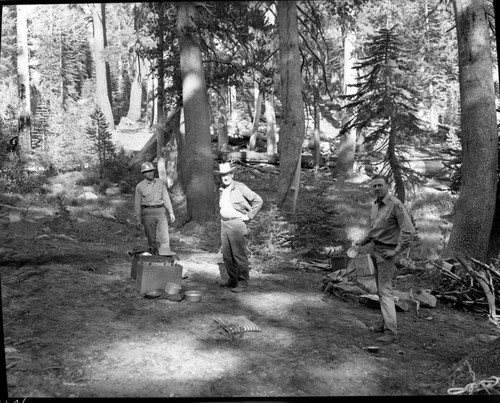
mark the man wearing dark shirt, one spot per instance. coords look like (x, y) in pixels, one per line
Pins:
(391, 231)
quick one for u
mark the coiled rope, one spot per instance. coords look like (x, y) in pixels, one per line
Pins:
(477, 386)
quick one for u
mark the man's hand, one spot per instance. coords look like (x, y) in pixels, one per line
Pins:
(138, 223)
(172, 217)
(362, 242)
(389, 253)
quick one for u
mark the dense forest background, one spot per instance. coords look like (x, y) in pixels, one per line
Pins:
(308, 99)
(210, 78)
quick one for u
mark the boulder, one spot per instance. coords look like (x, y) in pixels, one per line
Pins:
(426, 300)
(113, 191)
(88, 196)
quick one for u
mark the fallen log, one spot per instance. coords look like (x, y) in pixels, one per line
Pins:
(148, 152)
(250, 157)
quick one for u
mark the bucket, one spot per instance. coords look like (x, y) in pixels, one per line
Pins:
(193, 296)
(172, 288)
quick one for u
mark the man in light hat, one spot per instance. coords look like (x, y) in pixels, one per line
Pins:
(237, 204)
(151, 202)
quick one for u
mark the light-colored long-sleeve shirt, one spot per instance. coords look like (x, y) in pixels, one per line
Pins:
(390, 223)
(151, 193)
(242, 199)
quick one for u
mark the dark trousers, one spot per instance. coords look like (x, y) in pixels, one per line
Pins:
(234, 252)
(156, 228)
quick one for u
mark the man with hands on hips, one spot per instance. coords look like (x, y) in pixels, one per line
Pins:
(238, 204)
(391, 231)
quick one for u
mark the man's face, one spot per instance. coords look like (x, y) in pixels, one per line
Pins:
(149, 175)
(380, 188)
(227, 179)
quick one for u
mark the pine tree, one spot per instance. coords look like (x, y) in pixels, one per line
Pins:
(100, 136)
(385, 107)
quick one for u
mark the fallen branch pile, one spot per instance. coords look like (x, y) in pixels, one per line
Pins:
(471, 284)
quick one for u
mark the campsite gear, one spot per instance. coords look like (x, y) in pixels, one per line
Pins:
(154, 272)
(338, 262)
(175, 297)
(236, 325)
(193, 296)
(153, 294)
(172, 288)
(352, 252)
(147, 166)
(363, 265)
(137, 256)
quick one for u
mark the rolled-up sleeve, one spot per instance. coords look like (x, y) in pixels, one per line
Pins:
(406, 229)
(166, 200)
(253, 199)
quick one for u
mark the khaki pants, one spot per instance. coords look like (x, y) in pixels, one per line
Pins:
(155, 225)
(384, 272)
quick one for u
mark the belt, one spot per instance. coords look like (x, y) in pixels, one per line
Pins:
(231, 218)
(157, 206)
(388, 245)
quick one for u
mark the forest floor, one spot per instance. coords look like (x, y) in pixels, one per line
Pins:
(75, 326)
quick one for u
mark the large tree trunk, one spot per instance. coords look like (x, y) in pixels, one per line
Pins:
(102, 97)
(345, 161)
(293, 126)
(271, 134)
(494, 243)
(23, 82)
(160, 127)
(197, 158)
(135, 103)
(317, 130)
(222, 130)
(395, 166)
(256, 119)
(476, 203)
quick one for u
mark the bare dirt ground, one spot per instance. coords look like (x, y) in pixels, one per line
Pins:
(74, 326)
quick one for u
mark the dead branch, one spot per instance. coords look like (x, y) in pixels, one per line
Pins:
(486, 283)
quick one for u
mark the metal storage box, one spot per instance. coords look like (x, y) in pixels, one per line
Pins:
(154, 272)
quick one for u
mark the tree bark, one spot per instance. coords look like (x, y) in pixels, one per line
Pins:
(317, 127)
(23, 82)
(293, 126)
(222, 131)
(160, 126)
(347, 148)
(395, 166)
(102, 98)
(271, 134)
(136, 90)
(256, 119)
(494, 242)
(476, 204)
(197, 160)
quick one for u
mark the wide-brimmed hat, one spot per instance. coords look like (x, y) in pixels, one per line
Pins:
(225, 168)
